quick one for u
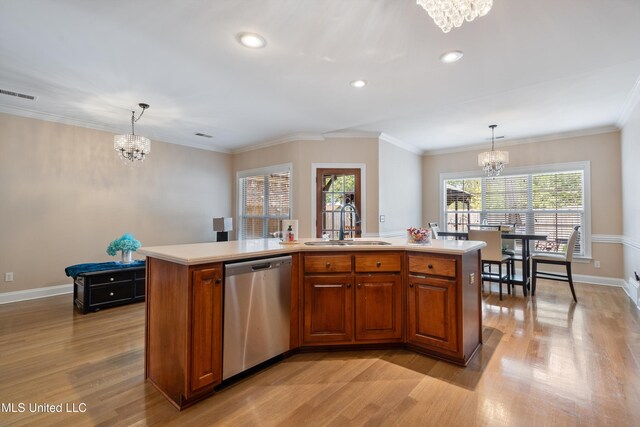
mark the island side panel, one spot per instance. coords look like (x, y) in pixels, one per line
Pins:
(471, 304)
(294, 333)
(167, 327)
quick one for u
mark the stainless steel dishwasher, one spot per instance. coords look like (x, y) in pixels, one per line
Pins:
(257, 312)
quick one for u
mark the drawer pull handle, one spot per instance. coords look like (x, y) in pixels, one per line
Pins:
(411, 285)
(359, 285)
(378, 264)
(430, 266)
(111, 279)
(328, 265)
(110, 294)
(348, 285)
(218, 281)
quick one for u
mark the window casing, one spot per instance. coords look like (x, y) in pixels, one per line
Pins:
(546, 199)
(264, 200)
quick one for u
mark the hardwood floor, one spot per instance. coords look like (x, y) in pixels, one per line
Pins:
(545, 361)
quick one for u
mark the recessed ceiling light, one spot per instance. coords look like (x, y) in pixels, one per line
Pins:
(358, 83)
(452, 56)
(252, 40)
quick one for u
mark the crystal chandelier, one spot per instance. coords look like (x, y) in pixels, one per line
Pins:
(452, 13)
(132, 147)
(493, 162)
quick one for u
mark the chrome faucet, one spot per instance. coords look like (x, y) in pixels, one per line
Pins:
(343, 213)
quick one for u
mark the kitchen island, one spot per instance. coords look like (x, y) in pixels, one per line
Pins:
(362, 295)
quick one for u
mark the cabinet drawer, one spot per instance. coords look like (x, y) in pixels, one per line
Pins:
(111, 293)
(372, 263)
(327, 264)
(436, 266)
(112, 277)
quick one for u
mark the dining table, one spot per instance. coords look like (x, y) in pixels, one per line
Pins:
(525, 238)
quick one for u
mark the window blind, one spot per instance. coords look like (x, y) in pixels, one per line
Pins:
(551, 203)
(264, 203)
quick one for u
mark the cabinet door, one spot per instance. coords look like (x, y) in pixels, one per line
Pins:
(378, 307)
(328, 309)
(206, 328)
(432, 313)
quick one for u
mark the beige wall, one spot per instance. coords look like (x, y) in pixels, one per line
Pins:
(631, 193)
(400, 189)
(302, 154)
(603, 151)
(65, 195)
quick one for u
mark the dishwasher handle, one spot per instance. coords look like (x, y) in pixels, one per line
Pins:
(258, 267)
(248, 267)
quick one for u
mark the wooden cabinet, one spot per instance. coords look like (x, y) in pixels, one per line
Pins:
(206, 328)
(364, 305)
(444, 305)
(328, 309)
(432, 313)
(378, 307)
(184, 329)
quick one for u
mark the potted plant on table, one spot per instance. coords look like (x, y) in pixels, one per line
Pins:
(127, 244)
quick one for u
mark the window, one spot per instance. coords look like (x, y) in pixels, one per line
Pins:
(264, 201)
(550, 200)
(334, 188)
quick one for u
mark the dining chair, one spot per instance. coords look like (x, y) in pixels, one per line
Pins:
(556, 259)
(492, 255)
(509, 248)
(435, 229)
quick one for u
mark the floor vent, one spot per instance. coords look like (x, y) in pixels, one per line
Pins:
(17, 94)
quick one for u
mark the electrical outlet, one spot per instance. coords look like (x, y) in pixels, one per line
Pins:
(382, 218)
(8, 277)
(596, 264)
(472, 278)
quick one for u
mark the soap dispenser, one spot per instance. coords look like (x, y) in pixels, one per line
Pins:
(290, 236)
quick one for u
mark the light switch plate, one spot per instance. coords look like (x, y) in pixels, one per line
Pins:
(8, 277)
(382, 218)
(472, 278)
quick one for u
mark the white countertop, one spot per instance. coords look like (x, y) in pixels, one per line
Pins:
(202, 253)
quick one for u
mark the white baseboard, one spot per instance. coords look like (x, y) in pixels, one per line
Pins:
(632, 288)
(48, 291)
(599, 280)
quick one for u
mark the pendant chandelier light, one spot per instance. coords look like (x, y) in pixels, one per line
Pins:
(132, 147)
(493, 161)
(452, 13)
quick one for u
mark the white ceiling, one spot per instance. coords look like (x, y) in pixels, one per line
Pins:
(534, 67)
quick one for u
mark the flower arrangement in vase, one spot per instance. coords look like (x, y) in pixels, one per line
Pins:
(420, 236)
(127, 244)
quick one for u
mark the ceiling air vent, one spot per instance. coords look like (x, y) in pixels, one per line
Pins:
(204, 135)
(17, 94)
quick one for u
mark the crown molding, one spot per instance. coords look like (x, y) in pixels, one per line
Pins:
(633, 98)
(331, 135)
(521, 141)
(351, 134)
(29, 113)
(55, 118)
(398, 143)
(279, 141)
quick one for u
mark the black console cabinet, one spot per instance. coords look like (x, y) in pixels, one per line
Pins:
(108, 288)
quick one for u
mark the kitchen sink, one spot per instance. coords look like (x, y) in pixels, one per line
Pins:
(348, 243)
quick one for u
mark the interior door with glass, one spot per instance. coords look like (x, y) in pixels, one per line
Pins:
(337, 191)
